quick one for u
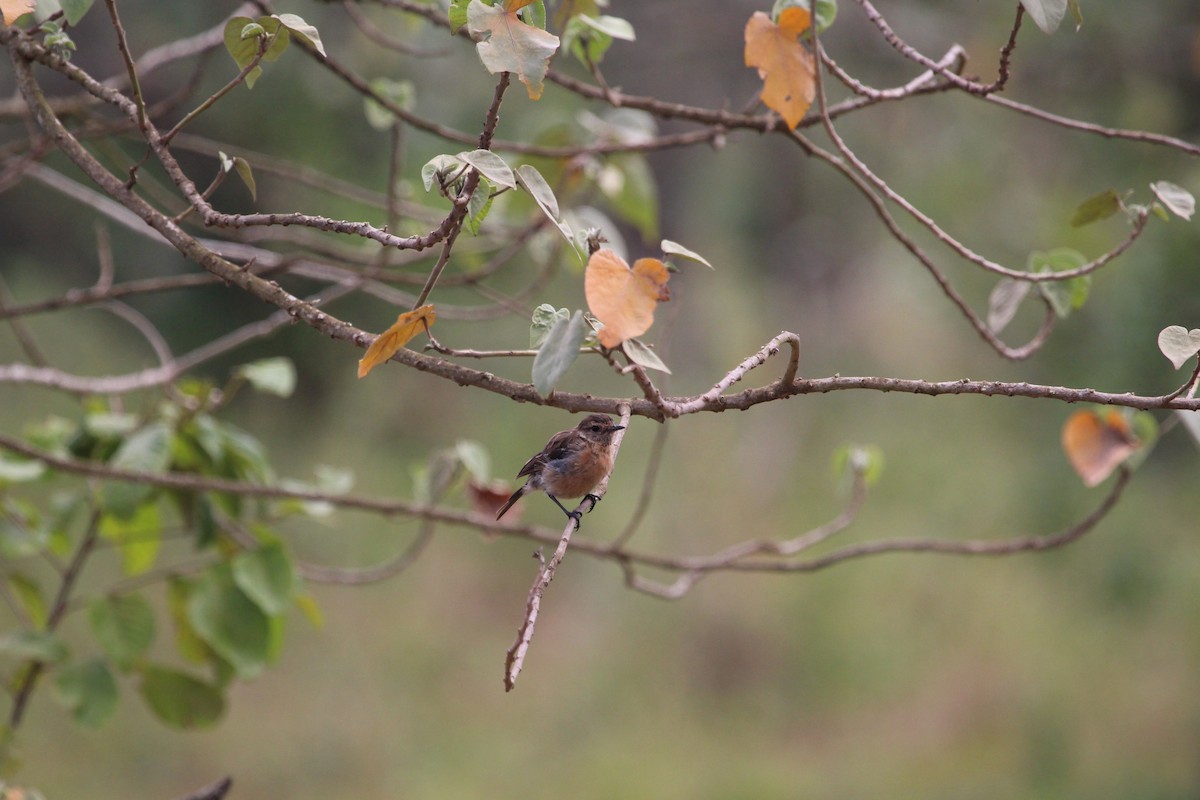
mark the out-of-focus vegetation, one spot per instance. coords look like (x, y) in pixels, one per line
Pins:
(1059, 675)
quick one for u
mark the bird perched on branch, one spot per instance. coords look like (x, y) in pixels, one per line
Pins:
(571, 463)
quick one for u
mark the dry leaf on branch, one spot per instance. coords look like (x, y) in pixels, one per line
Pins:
(624, 299)
(1096, 445)
(784, 64)
(408, 325)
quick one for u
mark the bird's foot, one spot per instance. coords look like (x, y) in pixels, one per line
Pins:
(595, 498)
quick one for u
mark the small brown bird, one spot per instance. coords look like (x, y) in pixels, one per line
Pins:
(571, 463)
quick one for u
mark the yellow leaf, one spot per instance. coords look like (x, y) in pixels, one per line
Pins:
(624, 299)
(1095, 446)
(408, 325)
(11, 9)
(784, 64)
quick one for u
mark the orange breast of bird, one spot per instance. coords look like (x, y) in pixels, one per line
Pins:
(575, 475)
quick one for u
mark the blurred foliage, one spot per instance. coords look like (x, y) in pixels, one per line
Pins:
(1069, 674)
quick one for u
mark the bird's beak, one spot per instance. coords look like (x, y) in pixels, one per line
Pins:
(618, 427)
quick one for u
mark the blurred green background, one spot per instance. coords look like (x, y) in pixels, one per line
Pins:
(1065, 675)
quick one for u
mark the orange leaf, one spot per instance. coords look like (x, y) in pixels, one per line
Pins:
(1095, 446)
(784, 64)
(794, 21)
(488, 498)
(515, 5)
(624, 299)
(408, 325)
(11, 9)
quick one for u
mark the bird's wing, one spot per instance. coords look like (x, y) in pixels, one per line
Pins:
(557, 447)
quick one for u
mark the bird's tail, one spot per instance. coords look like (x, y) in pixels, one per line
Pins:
(514, 498)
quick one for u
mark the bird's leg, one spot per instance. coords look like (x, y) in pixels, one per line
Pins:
(575, 515)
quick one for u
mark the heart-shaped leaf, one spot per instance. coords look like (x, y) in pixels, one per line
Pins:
(491, 166)
(545, 317)
(509, 45)
(1176, 198)
(624, 299)
(1046, 14)
(1179, 344)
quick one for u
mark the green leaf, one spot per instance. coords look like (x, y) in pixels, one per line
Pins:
(1067, 295)
(826, 11)
(643, 356)
(490, 166)
(532, 182)
(1003, 302)
(1097, 207)
(670, 248)
(275, 376)
(534, 14)
(615, 27)
(243, 455)
(311, 611)
(22, 532)
(265, 576)
(545, 317)
(147, 450)
(230, 622)
(474, 457)
(1076, 12)
(179, 700)
(1179, 344)
(1145, 431)
(508, 45)
(89, 690)
(1176, 198)
(629, 185)
(242, 36)
(588, 38)
(187, 641)
(138, 537)
(442, 167)
(479, 206)
(124, 627)
(108, 425)
(558, 352)
(29, 595)
(243, 170)
(33, 646)
(302, 30)
(75, 10)
(457, 14)
(624, 126)
(1046, 14)
(398, 93)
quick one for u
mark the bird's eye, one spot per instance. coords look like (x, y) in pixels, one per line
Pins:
(595, 429)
